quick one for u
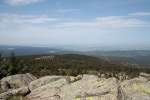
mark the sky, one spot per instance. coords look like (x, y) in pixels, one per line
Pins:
(75, 22)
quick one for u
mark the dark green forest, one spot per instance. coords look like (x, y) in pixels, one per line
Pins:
(65, 64)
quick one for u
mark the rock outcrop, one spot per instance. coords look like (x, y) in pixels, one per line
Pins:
(136, 89)
(15, 92)
(89, 86)
(43, 81)
(85, 87)
(16, 81)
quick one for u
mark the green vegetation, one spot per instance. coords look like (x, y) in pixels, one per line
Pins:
(8, 66)
(67, 64)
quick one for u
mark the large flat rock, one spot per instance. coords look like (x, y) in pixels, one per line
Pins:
(43, 81)
(89, 87)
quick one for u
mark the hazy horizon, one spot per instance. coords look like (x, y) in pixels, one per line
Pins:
(121, 24)
(79, 47)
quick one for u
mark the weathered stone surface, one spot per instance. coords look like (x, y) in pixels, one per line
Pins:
(136, 89)
(147, 76)
(16, 81)
(48, 91)
(89, 86)
(144, 75)
(82, 87)
(43, 81)
(15, 92)
(50, 79)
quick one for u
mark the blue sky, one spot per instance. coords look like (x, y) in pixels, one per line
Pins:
(75, 22)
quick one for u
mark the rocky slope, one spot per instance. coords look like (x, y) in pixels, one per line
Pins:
(82, 87)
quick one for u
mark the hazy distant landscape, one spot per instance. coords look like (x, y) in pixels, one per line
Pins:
(139, 57)
(41, 62)
(74, 49)
(62, 61)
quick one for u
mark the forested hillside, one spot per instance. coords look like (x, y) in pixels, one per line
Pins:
(67, 64)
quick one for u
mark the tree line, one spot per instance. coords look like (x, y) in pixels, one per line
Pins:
(67, 64)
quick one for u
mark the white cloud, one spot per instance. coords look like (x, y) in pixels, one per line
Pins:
(21, 2)
(140, 14)
(43, 24)
(67, 10)
(15, 18)
(120, 22)
(27, 29)
(107, 22)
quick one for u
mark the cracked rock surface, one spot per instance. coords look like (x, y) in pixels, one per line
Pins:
(85, 87)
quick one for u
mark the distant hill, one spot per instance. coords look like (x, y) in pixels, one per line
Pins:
(120, 53)
(66, 64)
(140, 57)
(74, 64)
(27, 50)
